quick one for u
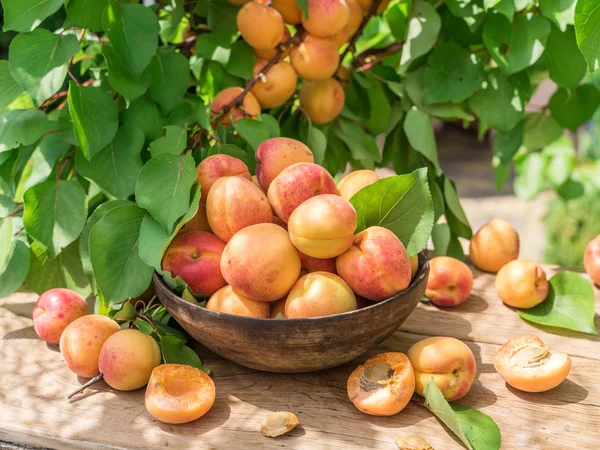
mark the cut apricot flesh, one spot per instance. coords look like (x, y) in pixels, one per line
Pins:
(177, 393)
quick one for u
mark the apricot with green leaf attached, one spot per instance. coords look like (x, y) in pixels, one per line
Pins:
(355, 181)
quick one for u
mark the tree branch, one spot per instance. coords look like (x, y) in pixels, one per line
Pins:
(352, 44)
(373, 56)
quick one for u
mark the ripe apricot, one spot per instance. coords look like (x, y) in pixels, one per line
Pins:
(195, 257)
(448, 361)
(275, 154)
(250, 106)
(591, 260)
(296, 184)
(239, 2)
(227, 300)
(414, 266)
(215, 167)
(127, 359)
(450, 281)
(275, 86)
(366, 5)
(278, 423)
(527, 364)
(315, 59)
(260, 25)
(383, 385)
(311, 264)
(355, 181)
(326, 17)
(319, 294)
(177, 393)
(278, 309)
(54, 310)
(269, 53)
(354, 20)
(289, 10)
(279, 222)
(522, 284)
(323, 226)
(343, 74)
(197, 223)
(234, 203)
(82, 340)
(260, 262)
(322, 101)
(495, 244)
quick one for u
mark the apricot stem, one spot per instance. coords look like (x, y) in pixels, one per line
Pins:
(82, 388)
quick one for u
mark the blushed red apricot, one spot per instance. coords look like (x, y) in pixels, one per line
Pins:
(215, 167)
(522, 284)
(277, 308)
(450, 281)
(275, 86)
(177, 393)
(382, 386)
(448, 361)
(527, 364)
(289, 10)
(276, 154)
(315, 59)
(260, 25)
(495, 244)
(322, 101)
(257, 184)
(55, 310)
(326, 17)
(250, 106)
(269, 53)
(311, 264)
(227, 300)
(355, 181)
(591, 260)
(279, 222)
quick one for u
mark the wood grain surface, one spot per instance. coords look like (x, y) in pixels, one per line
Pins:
(34, 382)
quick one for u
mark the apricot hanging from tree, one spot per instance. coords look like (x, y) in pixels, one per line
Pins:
(261, 26)
(250, 106)
(322, 101)
(315, 59)
(326, 17)
(289, 10)
(269, 53)
(354, 21)
(276, 85)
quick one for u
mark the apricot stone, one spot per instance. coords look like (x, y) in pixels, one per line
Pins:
(326, 17)
(261, 26)
(495, 244)
(195, 257)
(355, 181)
(82, 340)
(289, 10)
(376, 266)
(319, 294)
(591, 260)
(522, 284)
(227, 300)
(127, 359)
(450, 281)
(276, 154)
(448, 361)
(323, 226)
(54, 310)
(275, 86)
(322, 101)
(215, 167)
(260, 262)
(234, 203)
(315, 59)
(311, 264)
(250, 106)
(296, 184)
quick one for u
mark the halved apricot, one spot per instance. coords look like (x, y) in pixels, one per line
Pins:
(528, 365)
(382, 386)
(177, 393)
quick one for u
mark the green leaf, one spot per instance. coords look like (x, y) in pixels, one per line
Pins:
(116, 167)
(419, 131)
(22, 127)
(144, 114)
(457, 220)
(303, 5)
(9, 88)
(445, 243)
(530, 178)
(561, 44)
(7, 206)
(38, 62)
(14, 271)
(540, 130)
(241, 60)
(169, 79)
(133, 32)
(515, 47)
(118, 269)
(452, 74)
(221, 17)
(561, 12)
(570, 304)
(506, 8)
(397, 18)
(6, 235)
(26, 15)
(174, 141)
(119, 76)
(361, 146)
(163, 187)
(501, 173)
(439, 204)
(174, 351)
(95, 117)
(271, 124)
(55, 213)
(252, 131)
(505, 146)
(422, 32)
(587, 29)
(562, 159)
(85, 14)
(402, 204)
(315, 139)
(572, 108)
(45, 156)
(481, 430)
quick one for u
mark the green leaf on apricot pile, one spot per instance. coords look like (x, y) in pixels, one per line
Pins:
(173, 142)
(446, 243)
(402, 204)
(570, 304)
(174, 351)
(169, 78)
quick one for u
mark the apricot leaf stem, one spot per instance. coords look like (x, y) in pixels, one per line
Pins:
(82, 388)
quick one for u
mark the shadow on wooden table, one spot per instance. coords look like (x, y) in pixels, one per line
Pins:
(567, 392)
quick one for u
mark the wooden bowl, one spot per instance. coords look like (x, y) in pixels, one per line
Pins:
(295, 345)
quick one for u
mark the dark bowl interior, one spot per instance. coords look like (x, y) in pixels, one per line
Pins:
(295, 345)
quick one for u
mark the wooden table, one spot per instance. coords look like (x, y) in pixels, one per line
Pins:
(34, 382)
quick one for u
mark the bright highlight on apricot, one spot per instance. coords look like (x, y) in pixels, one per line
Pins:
(527, 364)
(179, 394)
(383, 385)
(522, 284)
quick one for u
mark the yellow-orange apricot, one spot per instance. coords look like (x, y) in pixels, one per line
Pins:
(234, 203)
(260, 262)
(269, 53)
(343, 74)
(322, 101)
(311, 264)
(354, 20)
(414, 442)
(315, 59)
(227, 300)
(260, 25)
(355, 181)
(250, 106)
(326, 17)
(55, 310)
(215, 167)
(197, 223)
(127, 359)
(495, 244)
(414, 266)
(591, 260)
(177, 393)
(319, 294)
(289, 10)
(366, 5)
(256, 183)
(276, 154)
(522, 284)
(450, 281)
(82, 340)
(448, 361)
(527, 364)
(275, 86)
(279, 222)
(323, 226)
(278, 309)
(383, 385)
(278, 423)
